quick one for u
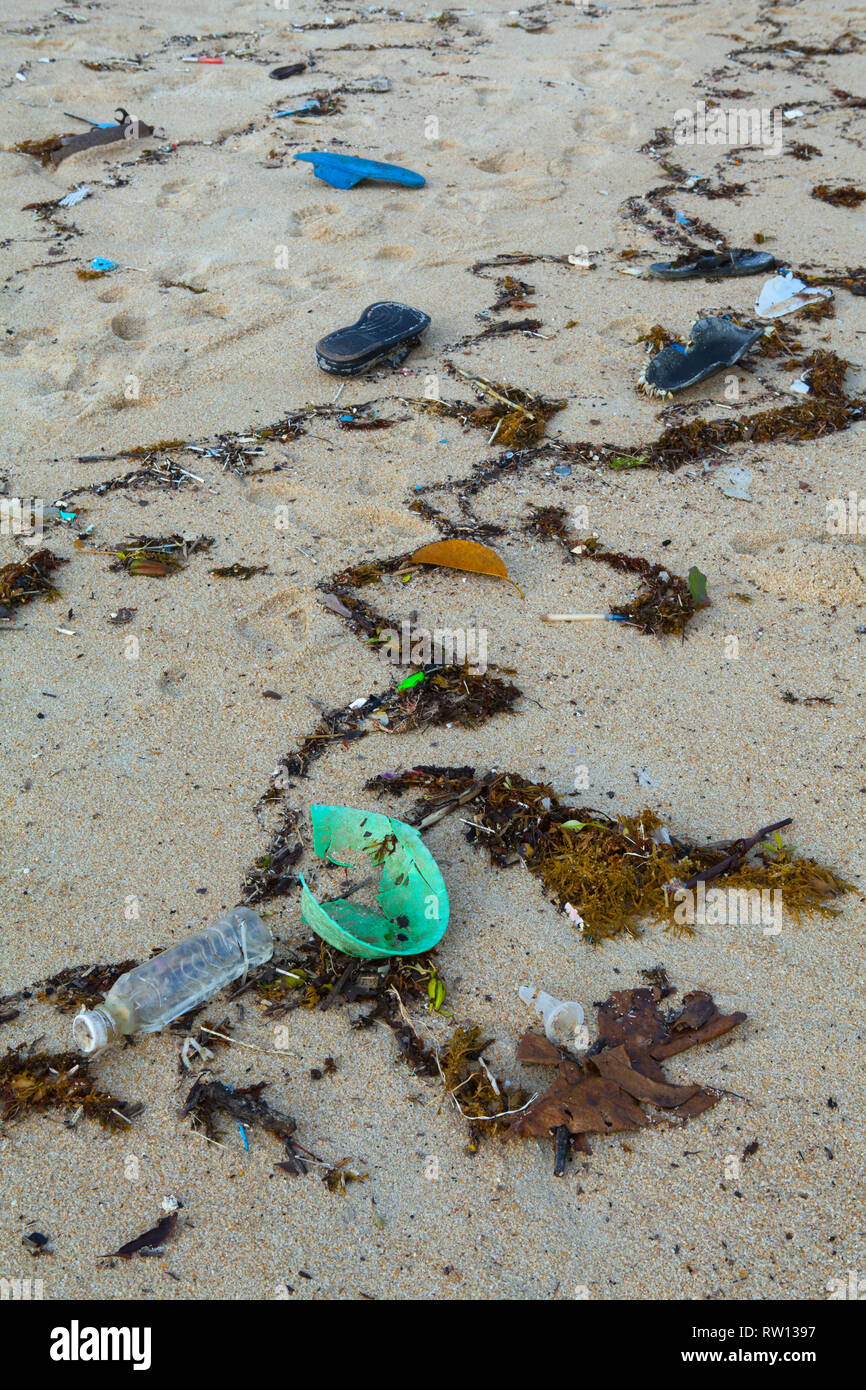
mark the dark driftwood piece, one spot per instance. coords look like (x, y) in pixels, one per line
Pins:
(734, 860)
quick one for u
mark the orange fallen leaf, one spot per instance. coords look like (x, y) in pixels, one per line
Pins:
(464, 555)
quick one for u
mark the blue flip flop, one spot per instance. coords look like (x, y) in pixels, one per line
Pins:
(345, 170)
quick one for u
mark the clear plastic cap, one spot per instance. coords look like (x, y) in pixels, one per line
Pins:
(91, 1030)
(562, 1017)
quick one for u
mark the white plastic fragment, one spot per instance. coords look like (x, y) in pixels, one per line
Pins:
(735, 482)
(785, 294)
(75, 195)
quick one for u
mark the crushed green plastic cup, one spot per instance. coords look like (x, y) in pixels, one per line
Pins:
(415, 679)
(412, 893)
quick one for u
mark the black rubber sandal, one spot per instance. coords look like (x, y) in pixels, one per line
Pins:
(714, 343)
(715, 266)
(386, 330)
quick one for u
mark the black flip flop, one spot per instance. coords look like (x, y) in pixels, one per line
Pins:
(715, 266)
(714, 343)
(384, 330)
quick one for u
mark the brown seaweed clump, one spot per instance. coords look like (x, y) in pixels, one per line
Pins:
(209, 1099)
(313, 975)
(31, 1081)
(512, 293)
(665, 602)
(75, 987)
(155, 557)
(23, 580)
(44, 150)
(551, 523)
(845, 195)
(481, 1098)
(515, 419)
(658, 337)
(159, 555)
(81, 986)
(447, 695)
(613, 875)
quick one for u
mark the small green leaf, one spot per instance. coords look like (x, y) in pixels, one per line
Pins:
(627, 461)
(436, 992)
(697, 586)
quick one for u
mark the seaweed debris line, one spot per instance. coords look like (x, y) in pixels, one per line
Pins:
(618, 874)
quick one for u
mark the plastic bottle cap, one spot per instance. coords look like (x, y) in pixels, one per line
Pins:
(90, 1030)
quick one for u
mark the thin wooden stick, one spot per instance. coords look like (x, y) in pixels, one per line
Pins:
(572, 617)
(734, 860)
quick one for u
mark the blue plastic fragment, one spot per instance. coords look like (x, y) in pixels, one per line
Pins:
(345, 170)
(95, 125)
(101, 263)
(298, 111)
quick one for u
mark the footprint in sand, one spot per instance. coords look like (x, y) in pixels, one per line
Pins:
(810, 570)
(394, 253)
(506, 163)
(317, 223)
(169, 194)
(128, 327)
(278, 624)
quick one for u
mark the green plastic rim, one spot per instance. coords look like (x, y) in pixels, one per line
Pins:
(412, 894)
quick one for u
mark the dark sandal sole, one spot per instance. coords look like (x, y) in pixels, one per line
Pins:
(716, 343)
(385, 331)
(723, 266)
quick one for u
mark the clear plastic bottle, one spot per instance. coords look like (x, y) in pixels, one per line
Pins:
(562, 1018)
(145, 999)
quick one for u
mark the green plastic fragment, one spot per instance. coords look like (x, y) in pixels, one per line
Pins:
(412, 893)
(415, 679)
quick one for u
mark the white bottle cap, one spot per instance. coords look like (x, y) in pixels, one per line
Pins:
(90, 1030)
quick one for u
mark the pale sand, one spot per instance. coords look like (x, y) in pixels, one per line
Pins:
(143, 775)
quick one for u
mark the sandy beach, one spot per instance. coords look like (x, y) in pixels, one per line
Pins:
(135, 756)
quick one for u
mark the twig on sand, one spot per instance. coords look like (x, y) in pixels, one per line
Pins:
(734, 860)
